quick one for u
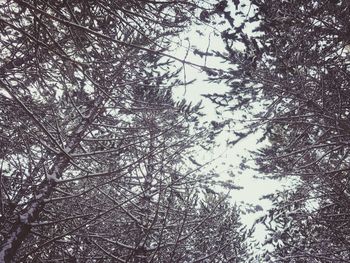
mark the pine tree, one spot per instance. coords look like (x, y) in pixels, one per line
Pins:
(93, 157)
(296, 64)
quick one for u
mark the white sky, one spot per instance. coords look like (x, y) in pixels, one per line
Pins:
(227, 160)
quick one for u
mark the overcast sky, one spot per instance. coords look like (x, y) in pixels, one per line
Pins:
(226, 160)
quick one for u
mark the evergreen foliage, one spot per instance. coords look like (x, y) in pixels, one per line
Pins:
(296, 64)
(94, 150)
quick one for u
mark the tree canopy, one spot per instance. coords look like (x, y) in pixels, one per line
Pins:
(295, 63)
(97, 159)
(94, 150)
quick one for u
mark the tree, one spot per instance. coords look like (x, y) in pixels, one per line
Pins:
(296, 64)
(222, 237)
(301, 230)
(93, 163)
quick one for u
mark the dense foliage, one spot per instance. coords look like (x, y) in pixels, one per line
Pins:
(93, 148)
(97, 161)
(296, 63)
